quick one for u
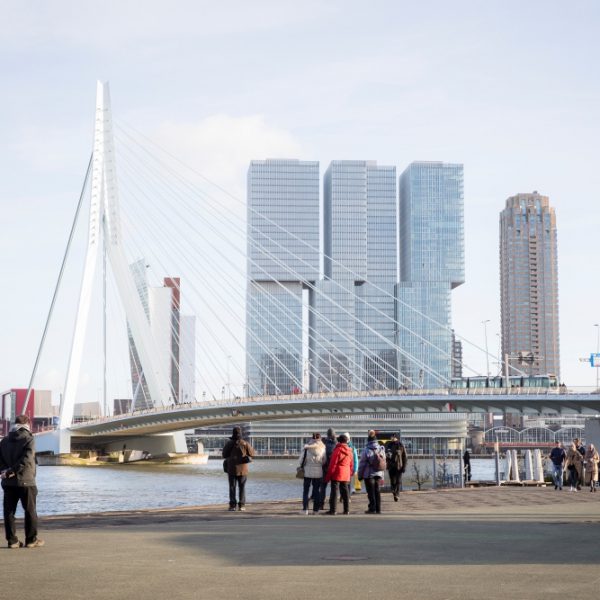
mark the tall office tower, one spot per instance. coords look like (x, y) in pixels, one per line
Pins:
(283, 264)
(354, 304)
(187, 359)
(174, 284)
(529, 283)
(431, 237)
(161, 305)
(141, 393)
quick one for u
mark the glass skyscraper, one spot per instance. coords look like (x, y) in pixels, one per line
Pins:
(354, 303)
(283, 264)
(529, 283)
(376, 313)
(431, 241)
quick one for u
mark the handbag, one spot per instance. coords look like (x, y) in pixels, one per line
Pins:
(225, 469)
(300, 469)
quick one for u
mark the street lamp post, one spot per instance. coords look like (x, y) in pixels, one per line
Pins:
(487, 354)
(597, 326)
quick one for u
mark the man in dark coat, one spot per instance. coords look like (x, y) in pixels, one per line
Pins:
(237, 454)
(395, 455)
(17, 471)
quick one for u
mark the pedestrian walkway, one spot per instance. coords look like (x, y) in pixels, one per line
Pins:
(492, 543)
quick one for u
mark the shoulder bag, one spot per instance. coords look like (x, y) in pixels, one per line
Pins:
(300, 469)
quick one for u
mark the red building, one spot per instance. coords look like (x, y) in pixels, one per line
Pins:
(13, 402)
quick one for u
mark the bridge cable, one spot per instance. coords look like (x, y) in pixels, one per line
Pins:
(58, 282)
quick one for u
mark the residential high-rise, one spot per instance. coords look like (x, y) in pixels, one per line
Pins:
(529, 284)
(283, 264)
(431, 239)
(457, 358)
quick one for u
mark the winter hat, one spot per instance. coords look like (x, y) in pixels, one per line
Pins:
(347, 435)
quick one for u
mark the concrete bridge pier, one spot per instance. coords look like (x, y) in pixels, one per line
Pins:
(60, 442)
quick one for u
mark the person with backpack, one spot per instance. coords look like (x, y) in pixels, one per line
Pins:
(395, 457)
(311, 461)
(238, 453)
(371, 469)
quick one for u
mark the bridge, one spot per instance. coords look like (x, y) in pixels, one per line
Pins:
(112, 432)
(352, 376)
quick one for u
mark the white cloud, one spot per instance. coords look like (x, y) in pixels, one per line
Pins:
(222, 146)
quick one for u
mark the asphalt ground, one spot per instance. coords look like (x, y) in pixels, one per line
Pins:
(521, 543)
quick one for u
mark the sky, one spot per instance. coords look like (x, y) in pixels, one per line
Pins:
(509, 89)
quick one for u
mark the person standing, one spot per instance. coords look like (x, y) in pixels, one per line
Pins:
(238, 454)
(581, 449)
(17, 471)
(354, 463)
(591, 460)
(330, 443)
(558, 457)
(371, 468)
(574, 464)
(395, 455)
(312, 459)
(467, 466)
(339, 473)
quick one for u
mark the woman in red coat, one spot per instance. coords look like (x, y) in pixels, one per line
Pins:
(339, 473)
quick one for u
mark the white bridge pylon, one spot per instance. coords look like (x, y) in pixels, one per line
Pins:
(105, 228)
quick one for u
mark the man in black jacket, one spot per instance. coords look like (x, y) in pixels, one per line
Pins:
(395, 455)
(17, 471)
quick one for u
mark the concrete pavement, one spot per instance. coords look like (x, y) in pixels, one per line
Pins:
(522, 543)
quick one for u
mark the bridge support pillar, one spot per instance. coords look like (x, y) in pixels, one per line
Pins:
(168, 443)
(57, 441)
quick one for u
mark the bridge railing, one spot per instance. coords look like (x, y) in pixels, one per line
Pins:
(237, 401)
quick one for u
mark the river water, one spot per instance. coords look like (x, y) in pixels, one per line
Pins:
(70, 490)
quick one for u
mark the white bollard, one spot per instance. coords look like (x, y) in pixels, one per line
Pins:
(529, 476)
(515, 461)
(508, 465)
(538, 469)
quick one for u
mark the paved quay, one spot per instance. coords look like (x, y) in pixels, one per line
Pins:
(492, 543)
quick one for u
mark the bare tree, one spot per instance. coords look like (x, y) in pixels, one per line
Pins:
(420, 477)
(442, 472)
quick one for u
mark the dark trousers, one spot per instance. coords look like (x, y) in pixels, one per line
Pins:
(573, 477)
(12, 497)
(395, 481)
(467, 472)
(240, 482)
(373, 493)
(344, 493)
(322, 493)
(316, 493)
